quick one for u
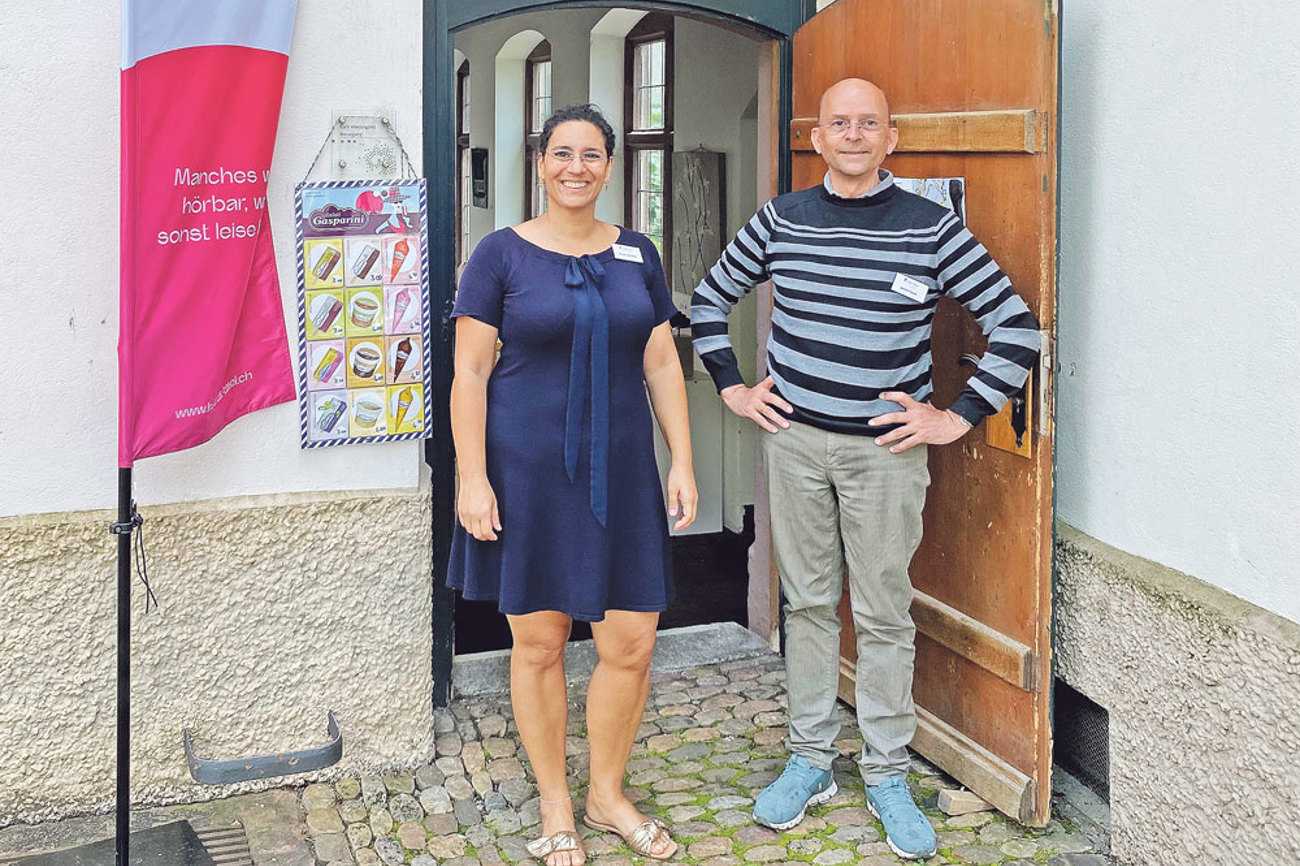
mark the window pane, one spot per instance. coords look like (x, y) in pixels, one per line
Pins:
(656, 53)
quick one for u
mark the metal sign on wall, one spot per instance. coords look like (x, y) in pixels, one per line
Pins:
(363, 312)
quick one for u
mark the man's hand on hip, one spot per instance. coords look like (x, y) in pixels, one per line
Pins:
(758, 404)
(921, 424)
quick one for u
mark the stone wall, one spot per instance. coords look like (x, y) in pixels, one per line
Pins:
(1203, 691)
(273, 611)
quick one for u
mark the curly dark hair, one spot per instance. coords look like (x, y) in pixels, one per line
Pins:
(586, 112)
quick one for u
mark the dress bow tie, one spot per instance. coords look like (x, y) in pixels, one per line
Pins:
(588, 364)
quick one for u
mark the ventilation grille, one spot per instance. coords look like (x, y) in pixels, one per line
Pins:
(1081, 730)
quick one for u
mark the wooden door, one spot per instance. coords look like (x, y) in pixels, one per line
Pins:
(972, 85)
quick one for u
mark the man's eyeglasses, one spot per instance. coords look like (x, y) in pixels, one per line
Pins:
(839, 126)
(588, 157)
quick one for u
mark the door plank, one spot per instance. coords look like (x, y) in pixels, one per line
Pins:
(1013, 131)
(968, 637)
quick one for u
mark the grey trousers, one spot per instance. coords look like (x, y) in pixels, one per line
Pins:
(838, 499)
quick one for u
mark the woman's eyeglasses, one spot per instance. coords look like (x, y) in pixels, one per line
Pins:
(588, 157)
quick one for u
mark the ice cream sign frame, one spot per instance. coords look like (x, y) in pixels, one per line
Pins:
(363, 312)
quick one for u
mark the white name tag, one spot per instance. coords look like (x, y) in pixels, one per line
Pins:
(626, 253)
(910, 287)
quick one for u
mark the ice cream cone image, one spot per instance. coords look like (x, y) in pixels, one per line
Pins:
(404, 398)
(401, 250)
(401, 356)
(401, 301)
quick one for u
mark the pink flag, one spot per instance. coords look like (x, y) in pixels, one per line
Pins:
(202, 339)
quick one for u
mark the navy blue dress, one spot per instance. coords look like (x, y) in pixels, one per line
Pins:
(569, 543)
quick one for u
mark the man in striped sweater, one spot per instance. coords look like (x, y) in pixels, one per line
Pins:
(857, 268)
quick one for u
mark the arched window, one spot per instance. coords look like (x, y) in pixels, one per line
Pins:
(537, 107)
(466, 190)
(648, 138)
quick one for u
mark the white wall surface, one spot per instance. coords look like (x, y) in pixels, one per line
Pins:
(60, 71)
(1179, 313)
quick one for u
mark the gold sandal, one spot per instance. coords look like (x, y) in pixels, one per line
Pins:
(564, 840)
(642, 839)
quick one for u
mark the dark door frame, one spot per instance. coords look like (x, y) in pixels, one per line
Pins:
(776, 19)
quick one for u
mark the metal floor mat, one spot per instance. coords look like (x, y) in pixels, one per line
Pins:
(173, 844)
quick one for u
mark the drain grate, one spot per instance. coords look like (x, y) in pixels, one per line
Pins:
(228, 846)
(174, 844)
(1081, 731)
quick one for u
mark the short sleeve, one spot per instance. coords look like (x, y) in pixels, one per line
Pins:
(482, 285)
(656, 282)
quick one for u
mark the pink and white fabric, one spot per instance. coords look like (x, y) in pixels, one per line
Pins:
(202, 339)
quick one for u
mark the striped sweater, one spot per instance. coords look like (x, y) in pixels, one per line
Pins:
(840, 334)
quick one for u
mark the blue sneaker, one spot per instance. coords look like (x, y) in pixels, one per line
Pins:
(907, 831)
(800, 785)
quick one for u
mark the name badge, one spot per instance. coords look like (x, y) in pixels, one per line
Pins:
(910, 287)
(626, 253)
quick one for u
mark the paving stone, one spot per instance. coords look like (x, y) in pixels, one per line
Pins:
(973, 819)
(348, 788)
(663, 742)
(757, 780)
(710, 846)
(961, 802)
(482, 783)
(443, 721)
(333, 848)
(808, 825)
(441, 824)
(1064, 844)
(854, 835)
(755, 835)
(492, 725)
(467, 813)
(688, 768)
(435, 800)
(765, 853)
(675, 784)
(718, 774)
(390, 851)
(979, 854)
(318, 796)
(429, 776)
(688, 830)
(373, 792)
(996, 834)
(690, 752)
(806, 846)
(724, 860)
(495, 801)
(504, 821)
(684, 813)
(722, 701)
(1079, 859)
(473, 758)
(530, 813)
(749, 709)
(679, 710)
(699, 735)
(955, 838)
(381, 823)
(446, 847)
(404, 808)
(324, 821)
(359, 836)
(852, 816)
(677, 798)
(352, 811)
(367, 857)
(733, 818)
(676, 723)
(934, 783)
(402, 783)
(1025, 848)
(412, 835)
(773, 719)
(450, 765)
(728, 801)
(462, 861)
(834, 856)
(513, 848)
(459, 787)
(770, 737)
(499, 747)
(479, 836)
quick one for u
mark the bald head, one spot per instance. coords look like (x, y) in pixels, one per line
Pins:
(852, 96)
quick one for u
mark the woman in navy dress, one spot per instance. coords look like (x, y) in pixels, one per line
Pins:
(562, 515)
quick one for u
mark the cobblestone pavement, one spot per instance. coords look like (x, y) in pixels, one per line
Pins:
(713, 737)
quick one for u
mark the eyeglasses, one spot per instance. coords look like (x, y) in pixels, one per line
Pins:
(588, 157)
(840, 126)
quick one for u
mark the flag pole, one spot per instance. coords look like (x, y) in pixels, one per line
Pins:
(125, 524)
